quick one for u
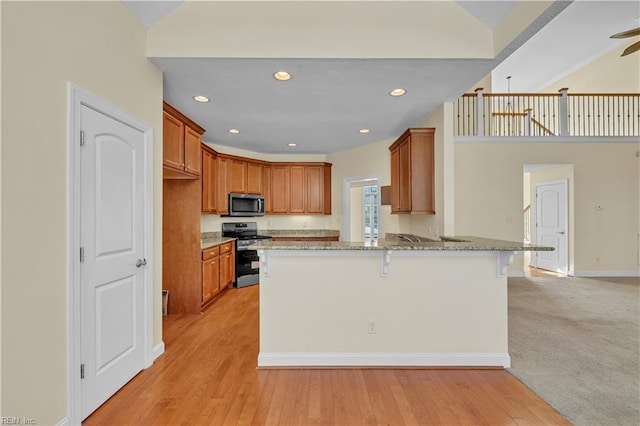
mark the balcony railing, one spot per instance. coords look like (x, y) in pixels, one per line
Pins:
(547, 115)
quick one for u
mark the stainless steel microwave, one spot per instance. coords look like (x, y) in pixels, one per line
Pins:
(246, 205)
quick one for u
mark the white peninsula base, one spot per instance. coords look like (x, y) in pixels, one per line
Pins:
(321, 308)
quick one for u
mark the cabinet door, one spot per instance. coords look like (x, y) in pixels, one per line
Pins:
(315, 189)
(173, 142)
(209, 181)
(266, 188)
(238, 179)
(223, 185)
(404, 172)
(395, 180)
(254, 178)
(297, 188)
(192, 149)
(280, 189)
(210, 279)
(327, 189)
(225, 270)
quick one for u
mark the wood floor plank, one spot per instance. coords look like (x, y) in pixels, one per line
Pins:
(208, 376)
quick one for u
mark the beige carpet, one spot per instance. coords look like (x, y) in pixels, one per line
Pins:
(576, 343)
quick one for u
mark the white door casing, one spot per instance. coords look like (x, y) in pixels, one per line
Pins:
(110, 187)
(551, 226)
(347, 184)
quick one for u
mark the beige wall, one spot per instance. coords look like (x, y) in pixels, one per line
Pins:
(0, 216)
(356, 222)
(526, 187)
(419, 297)
(561, 172)
(365, 160)
(324, 30)
(488, 197)
(100, 47)
(608, 73)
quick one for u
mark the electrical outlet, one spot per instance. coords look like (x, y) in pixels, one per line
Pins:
(372, 327)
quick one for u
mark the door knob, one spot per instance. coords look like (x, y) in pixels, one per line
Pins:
(560, 232)
(141, 262)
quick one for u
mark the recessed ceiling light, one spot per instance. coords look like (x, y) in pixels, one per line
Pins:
(201, 98)
(364, 130)
(397, 92)
(292, 144)
(234, 131)
(281, 75)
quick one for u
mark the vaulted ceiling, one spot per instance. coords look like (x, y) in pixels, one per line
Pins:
(345, 58)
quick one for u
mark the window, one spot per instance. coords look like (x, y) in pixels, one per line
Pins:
(370, 212)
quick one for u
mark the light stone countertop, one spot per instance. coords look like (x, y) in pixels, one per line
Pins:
(300, 233)
(461, 243)
(213, 241)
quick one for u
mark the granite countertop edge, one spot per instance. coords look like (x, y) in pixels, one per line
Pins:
(299, 233)
(464, 243)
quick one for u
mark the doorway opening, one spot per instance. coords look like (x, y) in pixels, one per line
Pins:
(362, 209)
(548, 218)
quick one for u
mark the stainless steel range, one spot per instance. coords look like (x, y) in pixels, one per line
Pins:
(247, 260)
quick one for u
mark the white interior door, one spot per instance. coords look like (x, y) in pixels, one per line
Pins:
(551, 226)
(112, 239)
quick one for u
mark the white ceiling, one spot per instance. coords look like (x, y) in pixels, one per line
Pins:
(328, 100)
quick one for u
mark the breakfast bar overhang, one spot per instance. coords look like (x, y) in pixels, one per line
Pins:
(400, 304)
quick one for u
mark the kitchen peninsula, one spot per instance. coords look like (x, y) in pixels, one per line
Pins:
(393, 303)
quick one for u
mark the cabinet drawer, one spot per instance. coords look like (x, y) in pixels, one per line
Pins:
(226, 248)
(210, 252)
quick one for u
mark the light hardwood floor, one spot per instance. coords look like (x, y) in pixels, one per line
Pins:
(208, 376)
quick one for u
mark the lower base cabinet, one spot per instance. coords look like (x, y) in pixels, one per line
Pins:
(217, 270)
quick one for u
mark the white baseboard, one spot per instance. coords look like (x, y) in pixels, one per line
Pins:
(613, 273)
(63, 422)
(516, 274)
(319, 359)
(158, 350)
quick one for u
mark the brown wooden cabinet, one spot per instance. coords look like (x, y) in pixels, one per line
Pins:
(238, 176)
(172, 142)
(413, 172)
(218, 270)
(280, 189)
(227, 265)
(297, 189)
(300, 188)
(223, 187)
(209, 181)
(192, 155)
(210, 274)
(288, 188)
(266, 186)
(180, 144)
(254, 178)
(315, 189)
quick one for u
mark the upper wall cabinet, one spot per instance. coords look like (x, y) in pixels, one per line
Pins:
(181, 145)
(301, 188)
(255, 181)
(413, 172)
(238, 171)
(209, 180)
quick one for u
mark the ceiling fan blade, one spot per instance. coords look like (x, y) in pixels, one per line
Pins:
(633, 48)
(626, 34)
